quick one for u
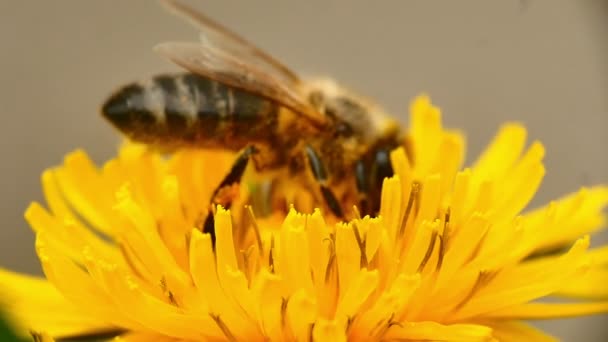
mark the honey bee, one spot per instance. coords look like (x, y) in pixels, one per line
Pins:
(315, 133)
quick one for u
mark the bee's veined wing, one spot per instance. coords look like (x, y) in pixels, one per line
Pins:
(228, 58)
(217, 34)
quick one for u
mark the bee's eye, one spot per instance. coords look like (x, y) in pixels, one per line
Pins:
(343, 129)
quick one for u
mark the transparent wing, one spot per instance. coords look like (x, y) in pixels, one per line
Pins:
(215, 33)
(225, 57)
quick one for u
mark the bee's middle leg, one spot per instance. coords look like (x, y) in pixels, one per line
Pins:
(319, 172)
(363, 187)
(370, 179)
(234, 176)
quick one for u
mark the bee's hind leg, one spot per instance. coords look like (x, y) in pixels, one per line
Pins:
(318, 170)
(234, 176)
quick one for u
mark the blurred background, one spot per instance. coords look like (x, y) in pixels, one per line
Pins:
(541, 62)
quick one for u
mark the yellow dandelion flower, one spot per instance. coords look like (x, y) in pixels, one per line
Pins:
(450, 257)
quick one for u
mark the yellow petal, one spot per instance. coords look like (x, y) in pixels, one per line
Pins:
(205, 277)
(528, 281)
(502, 152)
(517, 331)
(391, 197)
(568, 218)
(143, 336)
(591, 285)
(599, 256)
(82, 186)
(425, 126)
(391, 302)
(301, 314)
(451, 155)
(357, 294)
(550, 310)
(295, 257)
(432, 331)
(28, 300)
(325, 330)
(430, 198)
(401, 166)
(348, 256)
(273, 311)
(76, 285)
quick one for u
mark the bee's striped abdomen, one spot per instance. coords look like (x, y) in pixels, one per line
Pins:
(187, 110)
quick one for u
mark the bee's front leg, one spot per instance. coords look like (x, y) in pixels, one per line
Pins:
(234, 176)
(320, 174)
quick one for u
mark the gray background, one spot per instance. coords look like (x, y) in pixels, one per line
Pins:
(484, 62)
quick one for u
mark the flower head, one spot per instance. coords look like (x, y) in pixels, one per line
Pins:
(450, 256)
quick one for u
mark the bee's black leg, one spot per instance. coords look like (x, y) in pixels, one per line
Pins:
(362, 179)
(234, 176)
(382, 168)
(320, 174)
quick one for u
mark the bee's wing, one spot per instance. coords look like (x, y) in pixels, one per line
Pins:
(215, 33)
(228, 58)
